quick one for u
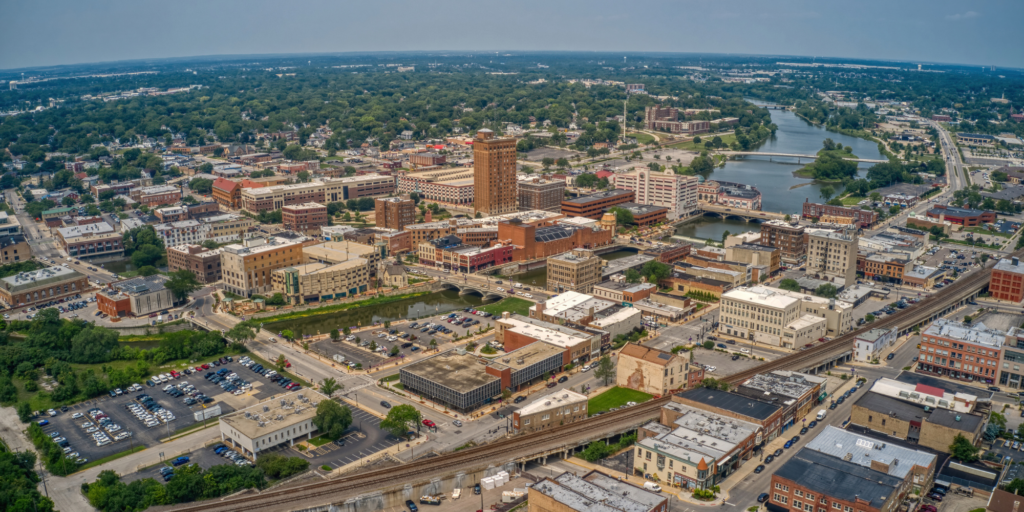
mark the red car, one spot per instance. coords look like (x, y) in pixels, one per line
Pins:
(429, 423)
(206, 366)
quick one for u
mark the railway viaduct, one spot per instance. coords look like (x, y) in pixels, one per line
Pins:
(368, 491)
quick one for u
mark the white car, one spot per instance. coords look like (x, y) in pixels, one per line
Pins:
(77, 415)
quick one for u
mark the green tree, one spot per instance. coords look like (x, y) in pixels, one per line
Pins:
(894, 209)
(332, 419)
(241, 333)
(182, 283)
(280, 362)
(963, 450)
(632, 276)
(827, 290)
(24, 412)
(789, 284)
(998, 419)
(623, 217)
(868, 318)
(329, 387)
(278, 466)
(827, 192)
(400, 419)
(335, 335)
(346, 331)
(710, 345)
(605, 370)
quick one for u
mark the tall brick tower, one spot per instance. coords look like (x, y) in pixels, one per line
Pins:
(494, 174)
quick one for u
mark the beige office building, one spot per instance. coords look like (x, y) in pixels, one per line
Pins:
(832, 255)
(769, 316)
(247, 268)
(575, 271)
(559, 408)
(315, 282)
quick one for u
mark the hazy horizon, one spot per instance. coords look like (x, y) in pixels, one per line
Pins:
(106, 31)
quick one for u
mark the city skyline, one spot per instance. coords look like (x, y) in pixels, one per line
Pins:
(112, 31)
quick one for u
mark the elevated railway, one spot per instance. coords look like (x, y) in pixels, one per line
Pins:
(373, 490)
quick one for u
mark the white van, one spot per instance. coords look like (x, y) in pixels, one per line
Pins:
(651, 486)
(821, 414)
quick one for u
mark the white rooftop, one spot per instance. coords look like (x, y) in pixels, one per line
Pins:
(925, 395)
(977, 333)
(570, 305)
(551, 336)
(99, 228)
(1009, 266)
(762, 296)
(862, 450)
(557, 399)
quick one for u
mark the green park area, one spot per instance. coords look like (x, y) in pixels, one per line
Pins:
(513, 305)
(615, 397)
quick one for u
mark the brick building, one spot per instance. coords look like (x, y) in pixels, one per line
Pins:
(578, 270)
(306, 218)
(650, 370)
(91, 240)
(135, 297)
(667, 120)
(202, 262)
(594, 205)
(1007, 281)
(541, 194)
(155, 196)
(394, 212)
(494, 174)
(863, 218)
(247, 268)
(961, 351)
(787, 238)
(427, 159)
(39, 286)
(965, 217)
(227, 193)
(643, 214)
(531, 242)
(668, 253)
(15, 248)
(558, 408)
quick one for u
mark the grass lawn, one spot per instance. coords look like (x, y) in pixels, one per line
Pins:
(983, 231)
(852, 200)
(615, 397)
(727, 138)
(641, 138)
(510, 304)
(319, 441)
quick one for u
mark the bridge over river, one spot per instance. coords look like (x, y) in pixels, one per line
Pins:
(798, 157)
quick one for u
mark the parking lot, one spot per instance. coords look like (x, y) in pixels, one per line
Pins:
(115, 408)
(724, 363)
(416, 342)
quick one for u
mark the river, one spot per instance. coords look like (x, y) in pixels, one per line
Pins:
(416, 307)
(780, 190)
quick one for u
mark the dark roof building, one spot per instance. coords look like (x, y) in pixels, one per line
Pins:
(847, 485)
(931, 427)
(734, 405)
(594, 205)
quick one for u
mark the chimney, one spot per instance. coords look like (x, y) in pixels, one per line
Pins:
(1015, 260)
(428, 216)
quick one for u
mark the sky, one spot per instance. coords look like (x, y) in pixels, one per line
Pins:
(53, 32)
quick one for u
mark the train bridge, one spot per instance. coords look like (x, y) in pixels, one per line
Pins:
(369, 491)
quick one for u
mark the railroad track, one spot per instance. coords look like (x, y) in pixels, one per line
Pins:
(571, 435)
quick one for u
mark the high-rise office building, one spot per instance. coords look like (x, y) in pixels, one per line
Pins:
(494, 174)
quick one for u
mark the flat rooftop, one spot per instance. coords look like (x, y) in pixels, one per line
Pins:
(574, 305)
(598, 196)
(38, 278)
(736, 403)
(833, 476)
(862, 449)
(278, 413)
(785, 383)
(337, 251)
(977, 333)
(1006, 265)
(459, 372)
(559, 398)
(762, 296)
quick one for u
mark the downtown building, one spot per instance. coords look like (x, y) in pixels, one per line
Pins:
(394, 212)
(494, 174)
(676, 192)
(541, 194)
(248, 267)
